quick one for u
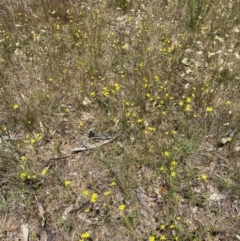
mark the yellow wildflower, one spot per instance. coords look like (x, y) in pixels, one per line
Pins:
(188, 108)
(113, 184)
(57, 26)
(163, 237)
(33, 141)
(174, 163)
(162, 168)
(85, 193)
(173, 174)
(151, 238)
(117, 86)
(23, 175)
(80, 125)
(94, 198)
(16, 106)
(67, 183)
(87, 210)
(44, 171)
(38, 136)
(209, 109)
(162, 227)
(85, 235)
(166, 153)
(174, 132)
(204, 177)
(148, 95)
(105, 91)
(107, 193)
(153, 129)
(122, 207)
(92, 94)
(23, 158)
(181, 103)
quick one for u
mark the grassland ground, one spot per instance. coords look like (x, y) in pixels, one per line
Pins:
(163, 76)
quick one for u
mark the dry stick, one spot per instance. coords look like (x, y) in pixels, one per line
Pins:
(147, 209)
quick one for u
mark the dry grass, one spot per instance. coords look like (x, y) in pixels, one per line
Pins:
(164, 76)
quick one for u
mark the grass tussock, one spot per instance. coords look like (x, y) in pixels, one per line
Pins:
(162, 75)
